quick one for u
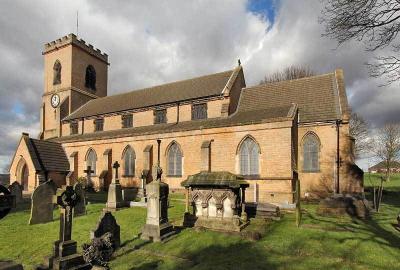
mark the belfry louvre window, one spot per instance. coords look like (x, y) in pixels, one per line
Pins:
(249, 155)
(57, 73)
(73, 127)
(90, 77)
(99, 124)
(174, 160)
(127, 121)
(160, 116)
(311, 153)
(199, 111)
(129, 161)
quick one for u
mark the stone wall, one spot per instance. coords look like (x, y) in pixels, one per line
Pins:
(275, 158)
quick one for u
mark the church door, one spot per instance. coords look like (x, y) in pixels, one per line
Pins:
(24, 177)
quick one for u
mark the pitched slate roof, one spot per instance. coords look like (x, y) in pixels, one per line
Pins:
(317, 97)
(47, 155)
(200, 87)
(382, 165)
(239, 118)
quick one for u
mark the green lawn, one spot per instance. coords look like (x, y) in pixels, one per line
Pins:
(321, 242)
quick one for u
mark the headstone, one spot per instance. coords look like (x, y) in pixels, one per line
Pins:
(42, 204)
(142, 188)
(99, 251)
(7, 201)
(80, 207)
(65, 254)
(89, 183)
(115, 200)
(157, 227)
(16, 190)
(107, 224)
(10, 265)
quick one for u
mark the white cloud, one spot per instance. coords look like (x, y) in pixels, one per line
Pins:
(153, 42)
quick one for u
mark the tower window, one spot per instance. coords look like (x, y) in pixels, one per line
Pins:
(127, 120)
(90, 78)
(199, 111)
(99, 124)
(57, 73)
(160, 116)
(73, 126)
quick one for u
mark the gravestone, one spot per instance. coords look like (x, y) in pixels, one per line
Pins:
(16, 190)
(115, 200)
(65, 254)
(42, 204)
(80, 207)
(7, 201)
(157, 227)
(89, 183)
(107, 224)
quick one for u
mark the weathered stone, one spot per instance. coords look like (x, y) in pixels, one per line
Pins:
(107, 224)
(42, 205)
(16, 190)
(157, 226)
(65, 254)
(114, 199)
(7, 201)
(80, 207)
(99, 251)
(218, 201)
(10, 265)
(340, 205)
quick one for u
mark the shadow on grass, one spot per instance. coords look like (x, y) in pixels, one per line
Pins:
(236, 256)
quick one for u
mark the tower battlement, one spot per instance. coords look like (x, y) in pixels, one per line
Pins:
(72, 39)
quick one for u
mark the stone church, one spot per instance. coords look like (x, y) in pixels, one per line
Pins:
(271, 134)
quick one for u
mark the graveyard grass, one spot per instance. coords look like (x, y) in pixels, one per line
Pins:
(320, 242)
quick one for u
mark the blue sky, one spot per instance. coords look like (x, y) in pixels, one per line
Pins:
(267, 8)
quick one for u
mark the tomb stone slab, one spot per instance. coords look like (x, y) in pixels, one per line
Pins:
(42, 204)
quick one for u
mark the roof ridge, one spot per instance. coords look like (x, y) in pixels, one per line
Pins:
(164, 84)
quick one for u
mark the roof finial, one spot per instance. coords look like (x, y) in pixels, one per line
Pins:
(239, 63)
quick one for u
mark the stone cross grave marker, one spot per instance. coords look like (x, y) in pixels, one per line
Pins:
(42, 204)
(114, 199)
(16, 190)
(89, 171)
(80, 207)
(65, 254)
(116, 167)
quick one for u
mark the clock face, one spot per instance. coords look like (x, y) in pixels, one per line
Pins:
(55, 100)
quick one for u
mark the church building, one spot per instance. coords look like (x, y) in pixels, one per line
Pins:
(272, 134)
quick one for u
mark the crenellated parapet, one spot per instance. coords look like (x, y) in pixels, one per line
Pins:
(72, 39)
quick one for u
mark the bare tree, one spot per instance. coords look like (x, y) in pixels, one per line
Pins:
(376, 22)
(387, 146)
(359, 130)
(387, 149)
(289, 73)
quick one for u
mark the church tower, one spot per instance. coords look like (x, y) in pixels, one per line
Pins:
(74, 73)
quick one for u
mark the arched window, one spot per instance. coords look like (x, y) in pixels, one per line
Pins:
(57, 73)
(311, 153)
(174, 160)
(91, 159)
(90, 77)
(129, 158)
(249, 155)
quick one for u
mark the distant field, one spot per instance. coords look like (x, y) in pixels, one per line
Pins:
(320, 243)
